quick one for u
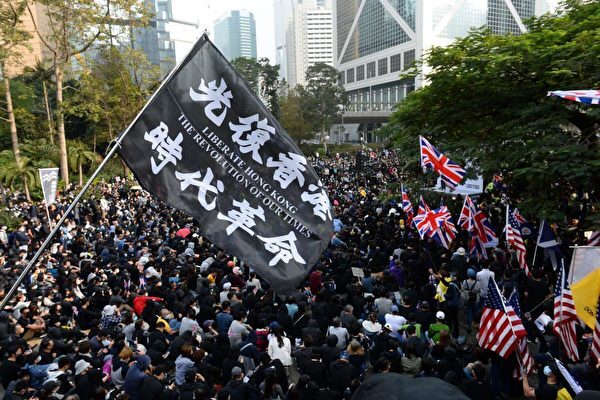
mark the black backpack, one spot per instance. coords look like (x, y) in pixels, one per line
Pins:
(471, 294)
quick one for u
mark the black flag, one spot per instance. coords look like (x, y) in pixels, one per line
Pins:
(208, 146)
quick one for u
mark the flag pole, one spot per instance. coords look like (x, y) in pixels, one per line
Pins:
(107, 157)
(512, 328)
(538, 242)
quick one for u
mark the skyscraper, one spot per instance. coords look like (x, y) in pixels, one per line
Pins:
(235, 34)
(376, 40)
(309, 38)
(282, 10)
(155, 40)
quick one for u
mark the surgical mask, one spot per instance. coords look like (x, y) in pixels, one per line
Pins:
(105, 342)
(547, 370)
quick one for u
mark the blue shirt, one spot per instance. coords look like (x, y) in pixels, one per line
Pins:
(223, 321)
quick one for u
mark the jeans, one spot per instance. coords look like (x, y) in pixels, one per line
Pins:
(471, 310)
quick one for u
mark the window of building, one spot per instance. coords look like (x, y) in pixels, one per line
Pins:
(409, 59)
(396, 63)
(341, 78)
(360, 73)
(350, 75)
(382, 67)
(371, 70)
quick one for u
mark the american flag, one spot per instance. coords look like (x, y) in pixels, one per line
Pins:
(595, 346)
(565, 316)
(477, 248)
(451, 173)
(407, 207)
(514, 238)
(498, 322)
(522, 350)
(594, 239)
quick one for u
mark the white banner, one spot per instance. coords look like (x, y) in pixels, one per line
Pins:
(49, 179)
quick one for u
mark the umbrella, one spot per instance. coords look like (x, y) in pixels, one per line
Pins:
(581, 96)
(183, 232)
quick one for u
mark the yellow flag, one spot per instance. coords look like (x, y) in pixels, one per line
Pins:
(584, 276)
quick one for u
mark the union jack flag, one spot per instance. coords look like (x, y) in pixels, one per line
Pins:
(565, 316)
(451, 173)
(467, 214)
(514, 238)
(437, 224)
(483, 227)
(594, 239)
(407, 207)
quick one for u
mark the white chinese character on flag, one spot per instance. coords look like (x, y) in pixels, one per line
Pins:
(219, 98)
(255, 138)
(289, 167)
(244, 218)
(169, 150)
(284, 248)
(319, 200)
(204, 186)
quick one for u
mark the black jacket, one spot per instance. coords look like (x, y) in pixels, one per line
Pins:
(341, 374)
(239, 390)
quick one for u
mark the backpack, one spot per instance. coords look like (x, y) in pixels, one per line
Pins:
(262, 339)
(471, 294)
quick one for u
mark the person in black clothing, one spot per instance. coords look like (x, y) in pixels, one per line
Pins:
(317, 370)
(341, 374)
(237, 389)
(152, 387)
(9, 370)
(477, 388)
(547, 391)
(85, 316)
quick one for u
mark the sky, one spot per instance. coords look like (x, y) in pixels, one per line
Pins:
(206, 12)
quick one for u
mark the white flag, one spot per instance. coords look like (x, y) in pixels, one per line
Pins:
(49, 179)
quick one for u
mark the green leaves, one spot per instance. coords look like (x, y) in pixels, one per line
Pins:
(486, 103)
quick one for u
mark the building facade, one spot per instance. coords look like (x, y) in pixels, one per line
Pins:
(282, 11)
(376, 40)
(235, 34)
(155, 40)
(309, 38)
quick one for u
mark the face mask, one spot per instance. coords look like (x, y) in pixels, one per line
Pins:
(105, 342)
(547, 370)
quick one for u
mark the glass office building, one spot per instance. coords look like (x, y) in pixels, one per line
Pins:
(235, 34)
(376, 40)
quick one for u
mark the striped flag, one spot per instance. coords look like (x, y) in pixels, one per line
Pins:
(477, 248)
(467, 214)
(594, 239)
(595, 347)
(497, 327)
(514, 238)
(522, 350)
(407, 207)
(565, 316)
(451, 173)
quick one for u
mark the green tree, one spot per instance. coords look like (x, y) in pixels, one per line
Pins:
(249, 69)
(321, 98)
(269, 86)
(22, 172)
(486, 104)
(292, 118)
(75, 26)
(12, 40)
(80, 155)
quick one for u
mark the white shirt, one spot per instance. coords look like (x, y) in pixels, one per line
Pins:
(483, 277)
(283, 354)
(396, 321)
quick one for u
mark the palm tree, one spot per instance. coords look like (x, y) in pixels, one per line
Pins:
(80, 154)
(23, 172)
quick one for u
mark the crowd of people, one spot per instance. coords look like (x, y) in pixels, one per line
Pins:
(125, 304)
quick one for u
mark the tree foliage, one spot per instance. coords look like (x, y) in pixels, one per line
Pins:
(292, 118)
(321, 98)
(486, 105)
(262, 78)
